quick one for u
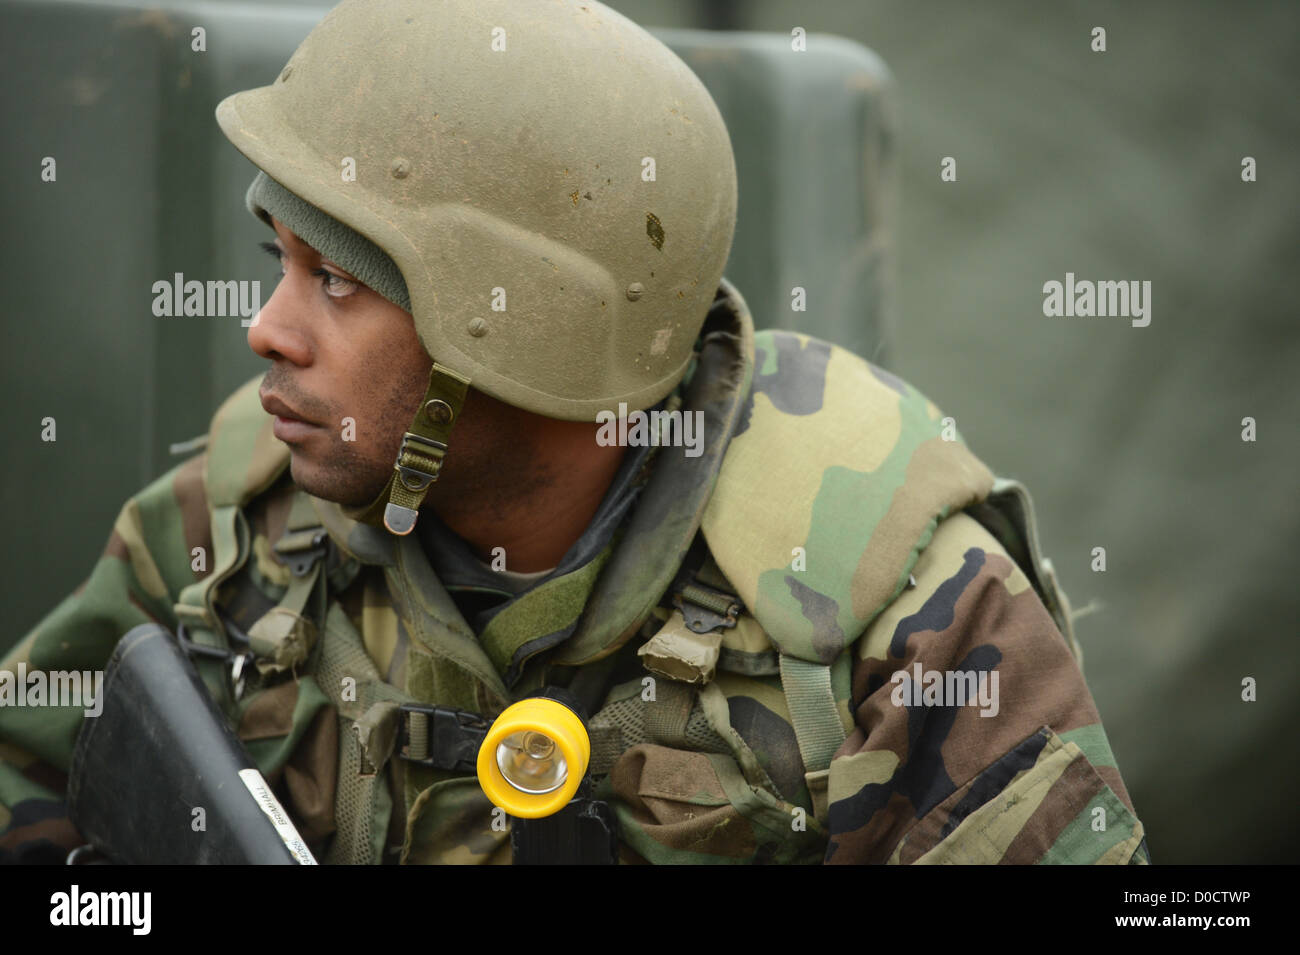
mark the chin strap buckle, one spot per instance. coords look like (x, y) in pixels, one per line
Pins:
(419, 460)
(420, 457)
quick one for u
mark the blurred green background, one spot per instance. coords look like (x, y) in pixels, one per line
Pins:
(1117, 165)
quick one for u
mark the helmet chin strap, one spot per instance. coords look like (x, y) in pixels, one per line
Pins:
(420, 457)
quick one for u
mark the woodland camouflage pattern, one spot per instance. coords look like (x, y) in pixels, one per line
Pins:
(827, 453)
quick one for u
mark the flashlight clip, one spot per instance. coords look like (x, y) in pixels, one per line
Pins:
(585, 832)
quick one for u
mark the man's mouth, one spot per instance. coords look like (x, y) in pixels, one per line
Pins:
(289, 425)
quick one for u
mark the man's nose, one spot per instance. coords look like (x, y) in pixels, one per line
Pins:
(279, 330)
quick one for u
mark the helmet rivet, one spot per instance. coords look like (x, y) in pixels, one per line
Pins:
(477, 327)
(438, 410)
(634, 291)
(401, 168)
(284, 74)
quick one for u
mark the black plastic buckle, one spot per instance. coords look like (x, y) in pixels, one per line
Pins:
(453, 741)
(301, 551)
(239, 660)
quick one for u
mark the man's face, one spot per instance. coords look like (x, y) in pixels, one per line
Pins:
(338, 351)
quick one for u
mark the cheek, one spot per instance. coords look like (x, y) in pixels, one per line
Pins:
(392, 387)
(387, 373)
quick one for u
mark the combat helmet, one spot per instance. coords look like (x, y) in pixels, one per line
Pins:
(555, 186)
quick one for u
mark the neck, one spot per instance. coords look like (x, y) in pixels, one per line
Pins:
(537, 516)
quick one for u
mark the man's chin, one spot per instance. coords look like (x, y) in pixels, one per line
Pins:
(342, 491)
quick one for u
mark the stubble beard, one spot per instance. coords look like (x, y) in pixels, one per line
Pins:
(346, 476)
(490, 472)
(350, 473)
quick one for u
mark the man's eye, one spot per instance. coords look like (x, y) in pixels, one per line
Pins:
(336, 286)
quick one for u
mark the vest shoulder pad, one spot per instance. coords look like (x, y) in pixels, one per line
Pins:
(834, 481)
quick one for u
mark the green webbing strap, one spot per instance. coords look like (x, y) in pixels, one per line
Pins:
(196, 611)
(420, 456)
(283, 637)
(417, 727)
(816, 721)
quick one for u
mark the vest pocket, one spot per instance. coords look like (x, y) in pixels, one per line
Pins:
(680, 807)
(451, 823)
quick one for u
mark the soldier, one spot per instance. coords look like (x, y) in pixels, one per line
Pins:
(807, 623)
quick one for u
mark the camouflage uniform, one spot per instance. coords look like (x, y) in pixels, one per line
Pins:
(857, 539)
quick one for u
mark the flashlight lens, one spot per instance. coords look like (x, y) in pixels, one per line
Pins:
(530, 762)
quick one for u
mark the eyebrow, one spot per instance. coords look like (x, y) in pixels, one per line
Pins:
(272, 249)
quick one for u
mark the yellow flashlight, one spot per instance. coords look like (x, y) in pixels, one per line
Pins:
(534, 757)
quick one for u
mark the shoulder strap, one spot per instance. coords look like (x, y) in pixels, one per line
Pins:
(283, 637)
(241, 463)
(199, 628)
(816, 721)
